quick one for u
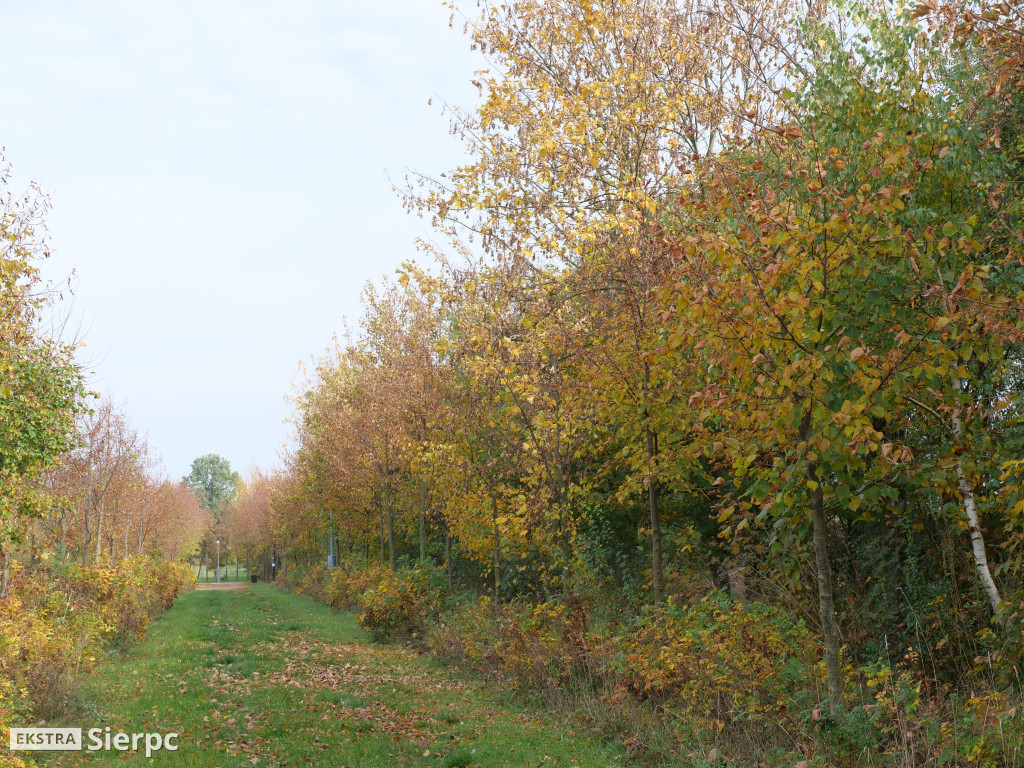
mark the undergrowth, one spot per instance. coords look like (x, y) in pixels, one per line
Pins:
(712, 682)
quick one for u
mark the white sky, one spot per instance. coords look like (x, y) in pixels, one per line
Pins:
(219, 173)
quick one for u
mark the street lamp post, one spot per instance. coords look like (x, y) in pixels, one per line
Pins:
(218, 561)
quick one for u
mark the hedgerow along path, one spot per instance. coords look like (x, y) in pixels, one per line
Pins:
(256, 676)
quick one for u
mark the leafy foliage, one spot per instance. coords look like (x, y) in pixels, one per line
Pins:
(58, 623)
(41, 385)
(715, 387)
(213, 480)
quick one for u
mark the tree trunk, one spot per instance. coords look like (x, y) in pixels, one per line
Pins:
(423, 523)
(391, 526)
(88, 538)
(652, 500)
(978, 551)
(5, 575)
(448, 559)
(830, 627)
(60, 545)
(977, 539)
(99, 537)
(497, 556)
(823, 565)
(380, 527)
(974, 527)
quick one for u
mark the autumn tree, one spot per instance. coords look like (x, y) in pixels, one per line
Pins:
(109, 491)
(41, 385)
(744, 280)
(97, 475)
(836, 286)
(590, 114)
(172, 521)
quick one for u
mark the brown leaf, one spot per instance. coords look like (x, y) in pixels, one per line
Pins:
(789, 131)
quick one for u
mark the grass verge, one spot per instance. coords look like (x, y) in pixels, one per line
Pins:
(261, 677)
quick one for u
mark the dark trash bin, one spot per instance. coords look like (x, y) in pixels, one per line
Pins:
(253, 578)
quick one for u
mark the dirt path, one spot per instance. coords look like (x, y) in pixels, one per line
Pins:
(223, 585)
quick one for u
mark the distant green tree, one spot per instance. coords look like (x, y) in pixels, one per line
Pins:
(213, 480)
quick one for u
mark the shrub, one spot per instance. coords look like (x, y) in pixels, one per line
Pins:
(547, 647)
(467, 632)
(716, 663)
(345, 587)
(742, 679)
(310, 581)
(58, 620)
(401, 602)
(908, 719)
(15, 712)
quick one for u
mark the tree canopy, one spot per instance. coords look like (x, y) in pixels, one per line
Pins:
(213, 480)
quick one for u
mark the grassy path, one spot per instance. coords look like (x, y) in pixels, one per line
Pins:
(259, 677)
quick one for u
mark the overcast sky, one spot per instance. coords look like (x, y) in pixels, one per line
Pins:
(220, 181)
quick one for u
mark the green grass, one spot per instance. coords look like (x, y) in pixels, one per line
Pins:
(261, 677)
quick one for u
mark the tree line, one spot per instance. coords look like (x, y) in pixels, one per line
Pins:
(727, 295)
(78, 482)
